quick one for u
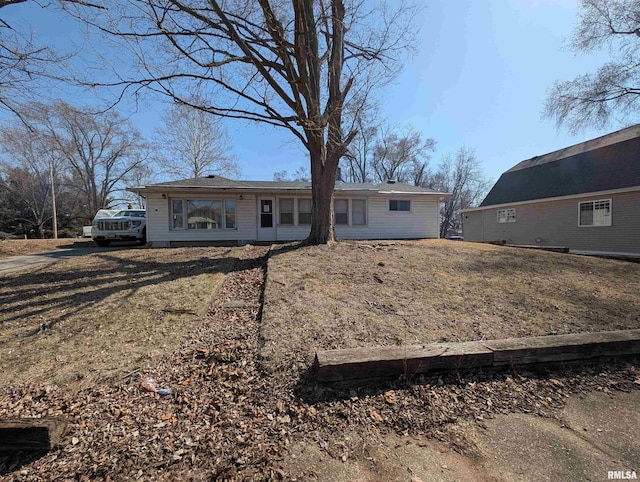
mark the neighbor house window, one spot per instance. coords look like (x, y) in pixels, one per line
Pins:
(594, 213)
(203, 214)
(304, 211)
(359, 212)
(177, 214)
(507, 215)
(286, 211)
(399, 205)
(341, 210)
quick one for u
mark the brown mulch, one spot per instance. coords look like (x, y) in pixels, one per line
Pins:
(228, 419)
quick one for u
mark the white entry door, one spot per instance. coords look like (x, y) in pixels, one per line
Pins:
(266, 219)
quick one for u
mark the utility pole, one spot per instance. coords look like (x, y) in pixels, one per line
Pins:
(53, 201)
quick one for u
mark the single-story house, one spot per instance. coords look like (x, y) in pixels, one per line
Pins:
(217, 209)
(584, 197)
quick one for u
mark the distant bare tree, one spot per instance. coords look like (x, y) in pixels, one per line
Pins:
(301, 174)
(99, 152)
(402, 156)
(613, 91)
(356, 164)
(194, 143)
(461, 175)
(23, 61)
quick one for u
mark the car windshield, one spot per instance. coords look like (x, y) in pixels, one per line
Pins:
(131, 214)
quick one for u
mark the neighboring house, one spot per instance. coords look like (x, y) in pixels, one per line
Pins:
(585, 197)
(215, 209)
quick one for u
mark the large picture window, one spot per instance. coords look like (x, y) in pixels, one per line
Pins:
(203, 214)
(594, 213)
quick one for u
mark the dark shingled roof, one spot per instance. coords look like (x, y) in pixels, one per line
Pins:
(608, 162)
(220, 182)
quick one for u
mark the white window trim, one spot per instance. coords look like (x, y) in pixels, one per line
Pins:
(389, 210)
(506, 211)
(185, 222)
(296, 209)
(592, 202)
(366, 212)
(293, 212)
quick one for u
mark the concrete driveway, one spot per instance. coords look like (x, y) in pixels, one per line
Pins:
(17, 263)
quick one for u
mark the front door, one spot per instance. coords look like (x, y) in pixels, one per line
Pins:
(266, 219)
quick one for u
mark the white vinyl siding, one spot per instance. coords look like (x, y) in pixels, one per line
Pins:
(380, 223)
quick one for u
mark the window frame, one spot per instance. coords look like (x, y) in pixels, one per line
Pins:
(347, 213)
(397, 205)
(366, 218)
(298, 212)
(292, 212)
(510, 215)
(185, 218)
(593, 203)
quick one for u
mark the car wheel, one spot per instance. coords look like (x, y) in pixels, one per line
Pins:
(143, 240)
(103, 244)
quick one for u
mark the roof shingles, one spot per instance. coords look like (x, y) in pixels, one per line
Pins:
(606, 167)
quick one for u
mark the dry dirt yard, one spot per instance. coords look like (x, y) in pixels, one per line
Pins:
(102, 315)
(355, 294)
(227, 418)
(17, 247)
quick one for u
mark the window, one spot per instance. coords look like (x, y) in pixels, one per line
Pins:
(286, 211)
(594, 213)
(359, 212)
(507, 215)
(230, 214)
(341, 211)
(177, 216)
(203, 213)
(304, 211)
(399, 205)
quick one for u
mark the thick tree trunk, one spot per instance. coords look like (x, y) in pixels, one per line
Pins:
(323, 181)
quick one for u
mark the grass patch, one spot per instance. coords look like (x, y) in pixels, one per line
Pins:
(17, 247)
(355, 294)
(104, 314)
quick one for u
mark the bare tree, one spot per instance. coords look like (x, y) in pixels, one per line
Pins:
(460, 175)
(301, 174)
(356, 164)
(402, 157)
(194, 143)
(613, 91)
(291, 65)
(23, 61)
(100, 152)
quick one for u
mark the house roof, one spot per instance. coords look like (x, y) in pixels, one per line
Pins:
(602, 164)
(220, 182)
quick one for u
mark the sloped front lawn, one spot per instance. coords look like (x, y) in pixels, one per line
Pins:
(356, 294)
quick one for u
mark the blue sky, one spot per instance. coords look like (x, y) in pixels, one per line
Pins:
(479, 79)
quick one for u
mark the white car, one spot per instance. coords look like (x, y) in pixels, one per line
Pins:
(125, 225)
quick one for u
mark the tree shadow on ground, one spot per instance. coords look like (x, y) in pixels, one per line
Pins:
(53, 292)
